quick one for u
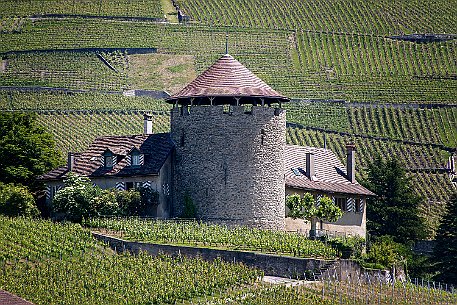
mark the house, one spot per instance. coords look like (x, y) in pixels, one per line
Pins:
(318, 171)
(123, 162)
(227, 152)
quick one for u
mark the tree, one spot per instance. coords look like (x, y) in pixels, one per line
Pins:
(306, 208)
(26, 150)
(16, 200)
(445, 252)
(394, 211)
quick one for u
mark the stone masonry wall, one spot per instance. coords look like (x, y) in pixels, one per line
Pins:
(231, 164)
(275, 265)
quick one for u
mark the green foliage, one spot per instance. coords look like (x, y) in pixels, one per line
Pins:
(16, 200)
(445, 253)
(26, 149)
(202, 234)
(149, 200)
(348, 246)
(190, 210)
(78, 199)
(128, 201)
(307, 209)
(394, 211)
(385, 252)
(52, 263)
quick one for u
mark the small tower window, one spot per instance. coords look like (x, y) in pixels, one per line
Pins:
(262, 135)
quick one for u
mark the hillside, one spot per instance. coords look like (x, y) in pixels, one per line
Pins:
(351, 80)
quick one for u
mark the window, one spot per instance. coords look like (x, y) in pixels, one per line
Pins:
(341, 203)
(109, 161)
(135, 159)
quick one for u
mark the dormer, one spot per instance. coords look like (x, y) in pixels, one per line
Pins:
(109, 159)
(135, 158)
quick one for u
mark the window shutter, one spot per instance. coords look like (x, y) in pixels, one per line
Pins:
(114, 160)
(102, 160)
(361, 205)
(318, 200)
(129, 160)
(48, 192)
(120, 186)
(350, 205)
(141, 159)
(147, 184)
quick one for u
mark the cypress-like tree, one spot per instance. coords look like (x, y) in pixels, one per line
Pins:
(445, 253)
(394, 211)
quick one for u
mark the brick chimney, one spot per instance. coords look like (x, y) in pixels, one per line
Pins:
(147, 123)
(350, 165)
(71, 161)
(310, 171)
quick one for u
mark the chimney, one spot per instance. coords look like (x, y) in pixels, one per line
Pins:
(350, 166)
(71, 161)
(147, 123)
(310, 165)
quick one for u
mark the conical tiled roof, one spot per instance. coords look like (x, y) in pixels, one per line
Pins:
(227, 77)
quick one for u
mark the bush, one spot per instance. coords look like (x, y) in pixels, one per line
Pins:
(149, 200)
(348, 246)
(77, 200)
(16, 200)
(128, 202)
(386, 253)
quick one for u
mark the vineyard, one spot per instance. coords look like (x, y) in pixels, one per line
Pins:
(61, 101)
(348, 16)
(363, 289)
(75, 130)
(49, 263)
(73, 70)
(211, 235)
(123, 8)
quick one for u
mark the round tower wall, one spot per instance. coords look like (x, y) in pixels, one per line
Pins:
(231, 164)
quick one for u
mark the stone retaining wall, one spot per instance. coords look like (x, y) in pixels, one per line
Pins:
(274, 265)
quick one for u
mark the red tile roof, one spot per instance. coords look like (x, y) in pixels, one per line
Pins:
(330, 173)
(227, 77)
(156, 149)
(7, 298)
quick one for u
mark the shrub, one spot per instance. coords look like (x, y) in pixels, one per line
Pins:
(16, 200)
(349, 246)
(77, 200)
(128, 202)
(386, 253)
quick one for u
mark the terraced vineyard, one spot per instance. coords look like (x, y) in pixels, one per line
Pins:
(72, 70)
(123, 8)
(304, 49)
(349, 16)
(49, 263)
(199, 234)
(57, 100)
(75, 130)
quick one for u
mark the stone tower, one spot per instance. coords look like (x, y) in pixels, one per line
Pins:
(230, 145)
